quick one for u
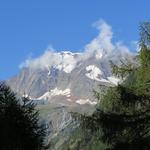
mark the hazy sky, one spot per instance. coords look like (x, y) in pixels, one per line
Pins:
(28, 27)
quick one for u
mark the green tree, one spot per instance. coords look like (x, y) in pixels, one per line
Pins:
(19, 123)
(123, 114)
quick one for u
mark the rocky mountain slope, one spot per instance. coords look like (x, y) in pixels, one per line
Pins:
(68, 78)
(64, 84)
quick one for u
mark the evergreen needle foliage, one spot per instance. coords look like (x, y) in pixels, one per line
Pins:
(123, 113)
(19, 123)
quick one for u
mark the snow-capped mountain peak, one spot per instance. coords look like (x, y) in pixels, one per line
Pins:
(66, 75)
(66, 61)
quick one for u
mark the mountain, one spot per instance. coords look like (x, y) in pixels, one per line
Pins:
(70, 78)
(62, 82)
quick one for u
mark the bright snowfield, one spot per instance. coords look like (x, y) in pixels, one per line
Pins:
(67, 93)
(85, 101)
(67, 61)
(55, 92)
(95, 73)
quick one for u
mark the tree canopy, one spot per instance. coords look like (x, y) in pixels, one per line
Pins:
(123, 113)
(19, 123)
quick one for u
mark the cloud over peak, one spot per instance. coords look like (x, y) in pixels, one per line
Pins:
(103, 42)
(101, 45)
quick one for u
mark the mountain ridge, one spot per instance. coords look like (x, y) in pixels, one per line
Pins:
(67, 75)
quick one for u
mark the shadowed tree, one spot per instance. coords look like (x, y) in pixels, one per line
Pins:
(123, 114)
(19, 123)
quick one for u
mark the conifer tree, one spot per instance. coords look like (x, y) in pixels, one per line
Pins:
(123, 114)
(19, 123)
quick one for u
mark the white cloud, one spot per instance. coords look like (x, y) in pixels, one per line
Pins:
(65, 61)
(101, 45)
(103, 40)
(48, 58)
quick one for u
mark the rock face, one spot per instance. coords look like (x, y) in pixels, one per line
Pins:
(64, 84)
(69, 76)
(59, 122)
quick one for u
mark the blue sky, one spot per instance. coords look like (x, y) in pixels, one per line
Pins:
(28, 27)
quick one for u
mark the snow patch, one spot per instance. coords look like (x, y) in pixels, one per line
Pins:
(93, 72)
(49, 72)
(60, 92)
(113, 80)
(85, 101)
(27, 96)
(67, 61)
(55, 92)
(98, 55)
